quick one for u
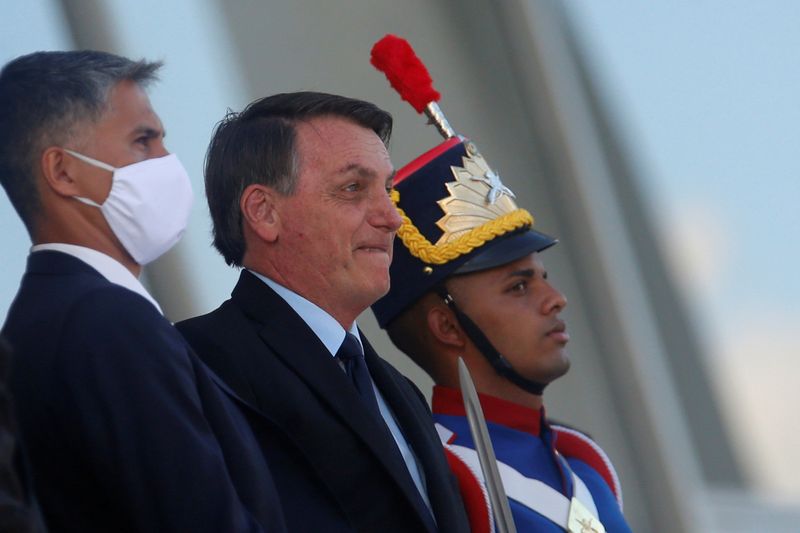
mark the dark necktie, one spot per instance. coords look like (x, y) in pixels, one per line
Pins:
(351, 354)
(353, 358)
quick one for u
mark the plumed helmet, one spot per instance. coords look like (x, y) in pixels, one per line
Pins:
(458, 217)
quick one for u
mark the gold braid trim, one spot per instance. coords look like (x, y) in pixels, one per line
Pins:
(423, 249)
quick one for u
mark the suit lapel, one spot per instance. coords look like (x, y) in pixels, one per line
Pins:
(299, 348)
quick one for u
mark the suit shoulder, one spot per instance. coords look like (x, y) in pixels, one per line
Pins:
(112, 306)
(112, 325)
(221, 339)
(108, 338)
(209, 324)
(575, 444)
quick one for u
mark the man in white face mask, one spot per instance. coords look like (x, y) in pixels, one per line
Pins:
(125, 429)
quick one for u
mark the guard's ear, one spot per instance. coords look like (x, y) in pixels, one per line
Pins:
(58, 171)
(258, 205)
(444, 326)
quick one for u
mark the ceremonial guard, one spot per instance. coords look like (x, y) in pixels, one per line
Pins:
(467, 281)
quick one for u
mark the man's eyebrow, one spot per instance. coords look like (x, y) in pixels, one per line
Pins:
(150, 133)
(357, 168)
(364, 171)
(524, 273)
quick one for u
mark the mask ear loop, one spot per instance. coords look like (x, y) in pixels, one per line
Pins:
(88, 201)
(485, 347)
(94, 163)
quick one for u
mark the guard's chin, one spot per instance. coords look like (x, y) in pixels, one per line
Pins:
(558, 369)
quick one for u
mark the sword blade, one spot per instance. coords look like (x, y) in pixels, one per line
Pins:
(483, 446)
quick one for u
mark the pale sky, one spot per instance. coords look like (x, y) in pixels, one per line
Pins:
(707, 95)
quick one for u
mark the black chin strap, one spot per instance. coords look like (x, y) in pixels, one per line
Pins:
(495, 358)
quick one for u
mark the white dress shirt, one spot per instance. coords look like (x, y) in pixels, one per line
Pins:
(332, 335)
(107, 266)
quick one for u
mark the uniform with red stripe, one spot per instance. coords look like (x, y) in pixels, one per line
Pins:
(525, 440)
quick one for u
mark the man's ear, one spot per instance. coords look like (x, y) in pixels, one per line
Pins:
(258, 205)
(444, 326)
(57, 169)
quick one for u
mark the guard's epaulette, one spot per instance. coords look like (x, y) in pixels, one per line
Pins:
(575, 444)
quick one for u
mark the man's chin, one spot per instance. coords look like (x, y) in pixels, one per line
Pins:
(562, 367)
(376, 290)
(380, 282)
(383, 291)
(556, 368)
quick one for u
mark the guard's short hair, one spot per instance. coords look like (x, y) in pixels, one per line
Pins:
(410, 334)
(44, 98)
(258, 146)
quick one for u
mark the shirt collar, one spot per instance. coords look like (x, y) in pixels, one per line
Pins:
(329, 331)
(447, 401)
(107, 266)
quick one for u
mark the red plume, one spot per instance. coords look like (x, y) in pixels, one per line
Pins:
(408, 76)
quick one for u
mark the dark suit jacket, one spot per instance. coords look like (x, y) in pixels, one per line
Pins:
(125, 428)
(335, 464)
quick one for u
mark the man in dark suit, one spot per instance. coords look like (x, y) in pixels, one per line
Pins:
(125, 429)
(298, 186)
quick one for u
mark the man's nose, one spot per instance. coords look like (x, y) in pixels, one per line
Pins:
(554, 301)
(386, 215)
(159, 150)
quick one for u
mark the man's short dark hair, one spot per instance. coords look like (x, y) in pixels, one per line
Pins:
(258, 146)
(44, 98)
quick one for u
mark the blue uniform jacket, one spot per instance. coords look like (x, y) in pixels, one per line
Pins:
(524, 440)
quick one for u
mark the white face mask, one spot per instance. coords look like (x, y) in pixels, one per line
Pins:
(148, 205)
